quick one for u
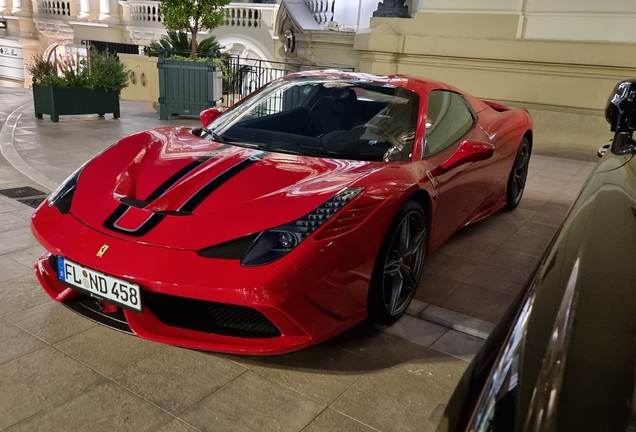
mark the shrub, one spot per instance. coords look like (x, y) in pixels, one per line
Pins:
(106, 71)
(99, 70)
(39, 67)
(179, 44)
(73, 71)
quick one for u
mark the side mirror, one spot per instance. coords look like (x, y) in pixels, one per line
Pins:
(620, 110)
(468, 151)
(209, 115)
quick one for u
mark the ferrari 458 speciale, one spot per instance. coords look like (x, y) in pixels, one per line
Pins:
(290, 217)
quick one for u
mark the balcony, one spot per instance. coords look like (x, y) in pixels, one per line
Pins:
(251, 15)
(141, 13)
(56, 9)
(253, 22)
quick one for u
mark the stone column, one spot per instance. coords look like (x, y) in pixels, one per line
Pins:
(104, 9)
(17, 7)
(5, 6)
(84, 9)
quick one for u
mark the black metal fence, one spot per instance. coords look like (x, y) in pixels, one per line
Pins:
(111, 47)
(241, 76)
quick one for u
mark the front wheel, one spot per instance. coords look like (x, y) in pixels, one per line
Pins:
(518, 176)
(398, 266)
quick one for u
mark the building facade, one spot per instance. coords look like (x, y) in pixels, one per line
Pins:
(45, 26)
(558, 58)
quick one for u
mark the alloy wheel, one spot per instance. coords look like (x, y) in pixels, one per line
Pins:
(403, 265)
(520, 171)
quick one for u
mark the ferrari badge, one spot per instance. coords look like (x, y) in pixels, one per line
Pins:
(102, 250)
(432, 178)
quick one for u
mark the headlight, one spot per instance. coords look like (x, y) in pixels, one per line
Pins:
(275, 243)
(63, 195)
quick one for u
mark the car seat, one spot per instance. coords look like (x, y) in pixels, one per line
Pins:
(337, 109)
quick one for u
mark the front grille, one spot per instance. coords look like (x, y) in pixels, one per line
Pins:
(210, 317)
(89, 307)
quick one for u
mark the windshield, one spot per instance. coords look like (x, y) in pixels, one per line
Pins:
(330, 118)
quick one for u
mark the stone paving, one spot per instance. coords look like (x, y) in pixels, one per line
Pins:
(61, 372)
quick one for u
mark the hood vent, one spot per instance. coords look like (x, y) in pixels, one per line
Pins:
(133, 202)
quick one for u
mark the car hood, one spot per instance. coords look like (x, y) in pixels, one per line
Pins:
(168, 187)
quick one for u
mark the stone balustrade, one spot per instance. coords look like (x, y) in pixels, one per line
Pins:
(56, 9)
(236, 14)
(244, 15)
(145, 11)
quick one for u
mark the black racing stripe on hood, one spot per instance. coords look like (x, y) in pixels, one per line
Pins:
(163, 188)
(192, 203)
(217, 182)
(111, 221)
(142, 230)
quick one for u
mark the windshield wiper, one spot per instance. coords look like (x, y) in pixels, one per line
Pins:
(300, 152)
(215, 136)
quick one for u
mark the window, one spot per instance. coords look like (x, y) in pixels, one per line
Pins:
(326, 117)
(448, 119)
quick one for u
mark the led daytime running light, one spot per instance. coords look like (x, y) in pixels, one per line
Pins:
(268, 247)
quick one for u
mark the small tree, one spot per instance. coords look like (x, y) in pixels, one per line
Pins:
(192, 16)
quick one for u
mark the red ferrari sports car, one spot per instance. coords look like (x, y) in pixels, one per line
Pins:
(292, 216)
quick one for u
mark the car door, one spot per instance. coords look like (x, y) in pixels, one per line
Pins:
(463, 192)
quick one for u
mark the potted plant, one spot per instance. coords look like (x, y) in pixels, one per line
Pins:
(76, 85)
(188, 86)
(179, 44)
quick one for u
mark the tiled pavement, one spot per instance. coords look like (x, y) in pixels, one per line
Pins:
(60, 372)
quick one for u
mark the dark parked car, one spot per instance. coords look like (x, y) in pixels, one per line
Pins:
(564, 356)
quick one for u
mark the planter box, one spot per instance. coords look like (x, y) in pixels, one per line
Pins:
(187, 87)
(57, 101)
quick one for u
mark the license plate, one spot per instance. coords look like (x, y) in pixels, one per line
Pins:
(99, 285)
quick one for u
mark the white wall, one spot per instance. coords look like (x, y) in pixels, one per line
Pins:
(354, 14)
(583, 20)
(568, 20)
(471, 5)
(11, 63)
(580, 6)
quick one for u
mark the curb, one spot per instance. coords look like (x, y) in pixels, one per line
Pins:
(9, 152)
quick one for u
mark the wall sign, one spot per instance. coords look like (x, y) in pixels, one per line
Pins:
(3, 24)
(9, 52)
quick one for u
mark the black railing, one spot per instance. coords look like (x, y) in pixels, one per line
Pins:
(111, 47)
(241, 76)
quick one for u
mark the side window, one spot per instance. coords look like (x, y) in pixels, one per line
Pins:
(448, 119)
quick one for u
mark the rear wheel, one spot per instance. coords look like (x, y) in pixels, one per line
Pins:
(398, 267)
(518, 175)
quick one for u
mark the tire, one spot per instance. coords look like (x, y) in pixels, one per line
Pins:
(518, 176)
(398, 266)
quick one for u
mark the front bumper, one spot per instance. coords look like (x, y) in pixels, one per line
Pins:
(288, 298)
